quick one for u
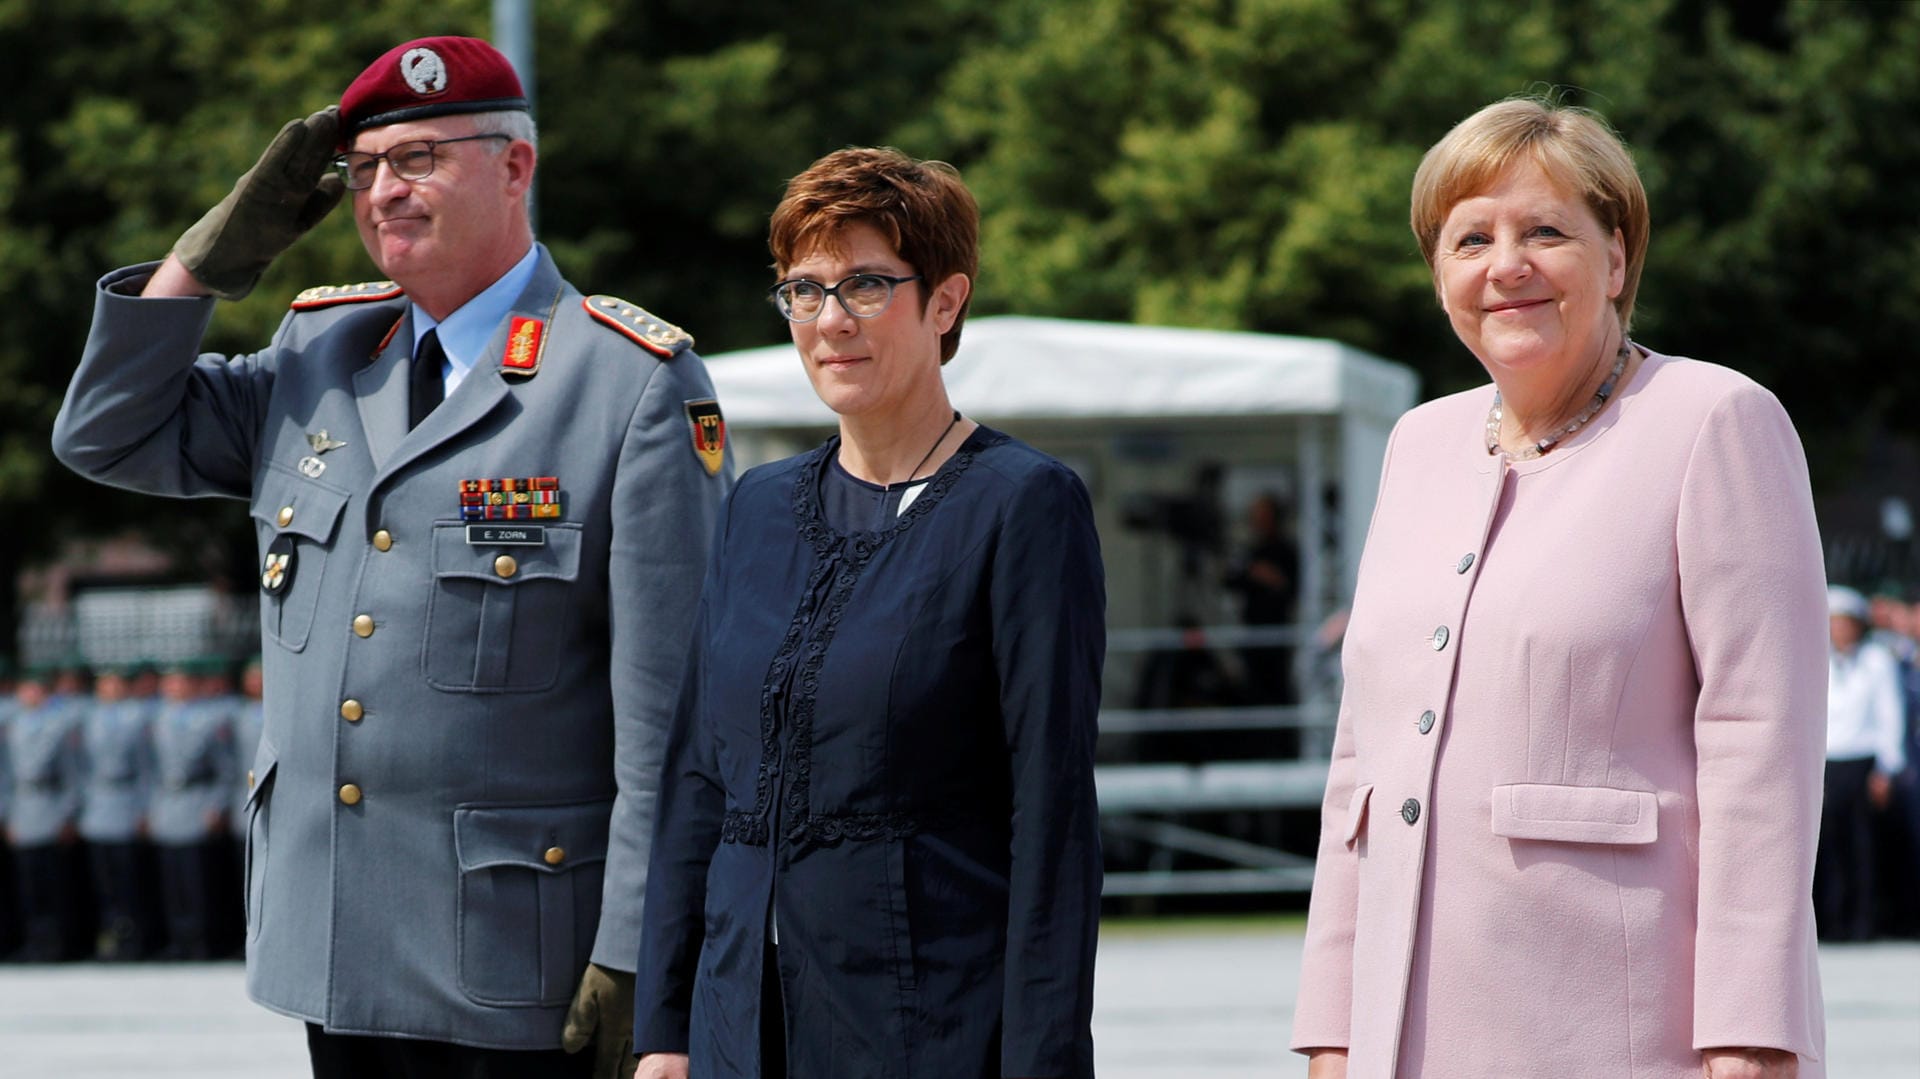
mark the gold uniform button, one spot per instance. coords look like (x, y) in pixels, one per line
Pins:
(285, 517)
(249, 779)
(363, 625)
(350, 795)
(351, 711)
(383, 540)
(555, 855)
(505, 566)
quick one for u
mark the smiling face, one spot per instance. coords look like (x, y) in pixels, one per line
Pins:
(462, 225)
(1528, 275)
(872, 366)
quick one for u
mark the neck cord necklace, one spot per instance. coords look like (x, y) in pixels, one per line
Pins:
(888, 489)
(1593, 409)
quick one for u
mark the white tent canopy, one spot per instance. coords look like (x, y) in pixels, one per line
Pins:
(1018, 368)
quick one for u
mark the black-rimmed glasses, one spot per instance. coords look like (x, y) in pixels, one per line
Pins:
(863, 295)
(409, 160)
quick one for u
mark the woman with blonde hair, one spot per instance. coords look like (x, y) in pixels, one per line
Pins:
(1569, 825)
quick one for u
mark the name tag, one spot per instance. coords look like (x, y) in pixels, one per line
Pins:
(508, 535)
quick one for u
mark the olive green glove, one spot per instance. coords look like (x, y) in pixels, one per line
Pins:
(602, 1013)
(284, 194)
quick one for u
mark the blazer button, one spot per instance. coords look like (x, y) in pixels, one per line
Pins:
(1410, 810)
(505, 565)
(1440, 636)
(351, 711)
(363, 625)
(1466, 563)
(285, 516)
(1426, 720)
(555, 855)
(350, 795)
(383, 540)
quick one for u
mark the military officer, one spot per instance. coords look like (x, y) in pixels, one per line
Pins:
(44, 755)
(113, 812)
(483, 504)
(194, 769)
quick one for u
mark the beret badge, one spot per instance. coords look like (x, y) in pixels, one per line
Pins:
(424, 71)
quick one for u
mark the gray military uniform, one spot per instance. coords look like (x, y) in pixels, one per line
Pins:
(194, 769)
(119, 771)
(453, 793)
(45, 757)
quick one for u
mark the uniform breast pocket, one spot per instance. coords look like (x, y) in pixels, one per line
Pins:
(294, 518)
(529, 905)
(496, 621)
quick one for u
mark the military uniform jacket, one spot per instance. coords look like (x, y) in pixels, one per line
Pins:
(434, 867)
(194, 769)
(45, 757)
(119, 758)
(885, 756)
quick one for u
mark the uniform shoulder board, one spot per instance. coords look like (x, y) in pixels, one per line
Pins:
(643, 329)
(329, 295)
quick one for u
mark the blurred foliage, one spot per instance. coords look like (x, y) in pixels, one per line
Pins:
(1227, 163)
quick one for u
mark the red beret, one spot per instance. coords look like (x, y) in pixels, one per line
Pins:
(433, 76)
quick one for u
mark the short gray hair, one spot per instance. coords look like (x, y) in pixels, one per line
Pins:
(516, 124)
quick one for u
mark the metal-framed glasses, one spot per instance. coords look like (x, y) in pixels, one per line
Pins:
(862, 295)
(409, 160)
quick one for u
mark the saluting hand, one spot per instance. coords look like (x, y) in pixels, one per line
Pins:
(274, 203)
(1749, 1064)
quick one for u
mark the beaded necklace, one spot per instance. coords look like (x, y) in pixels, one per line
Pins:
(1593, 409)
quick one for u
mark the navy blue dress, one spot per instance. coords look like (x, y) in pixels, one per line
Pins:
(884, 759)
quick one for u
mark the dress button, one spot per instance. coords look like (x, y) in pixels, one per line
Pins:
(1410, 810)
(285, 516)
(505, 565)
(351, 711)
(1466, 563)
(1426, 720)
(350, 795)
(363, 625)
(555, 855)
(249, 779)
(1440, 636)
(383, 540)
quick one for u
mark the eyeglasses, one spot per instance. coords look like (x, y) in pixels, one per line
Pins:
(409, 160)
(863, 295)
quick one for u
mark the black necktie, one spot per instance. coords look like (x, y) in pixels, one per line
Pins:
(429, 386)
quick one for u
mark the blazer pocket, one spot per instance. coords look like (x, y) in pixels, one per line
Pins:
(1357, 812)
(496, 614)
(1570, 814)
(259, 780)
(300, 515)
(529, 900)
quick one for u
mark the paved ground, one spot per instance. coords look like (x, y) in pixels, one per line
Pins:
(1207, 1000)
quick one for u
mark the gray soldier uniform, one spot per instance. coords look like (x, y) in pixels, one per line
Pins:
(194, 766)
(119, 771)
(464, 719)
(44, 754)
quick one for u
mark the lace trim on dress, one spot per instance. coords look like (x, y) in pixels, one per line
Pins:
(842, 558)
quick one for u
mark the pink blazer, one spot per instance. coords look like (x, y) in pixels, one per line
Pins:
(1570, 822)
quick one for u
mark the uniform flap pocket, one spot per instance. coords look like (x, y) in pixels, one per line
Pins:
(1357, 811)
(1574, 814)
(549, 838)
(264, 759)
(290, 502)
(538, 551)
